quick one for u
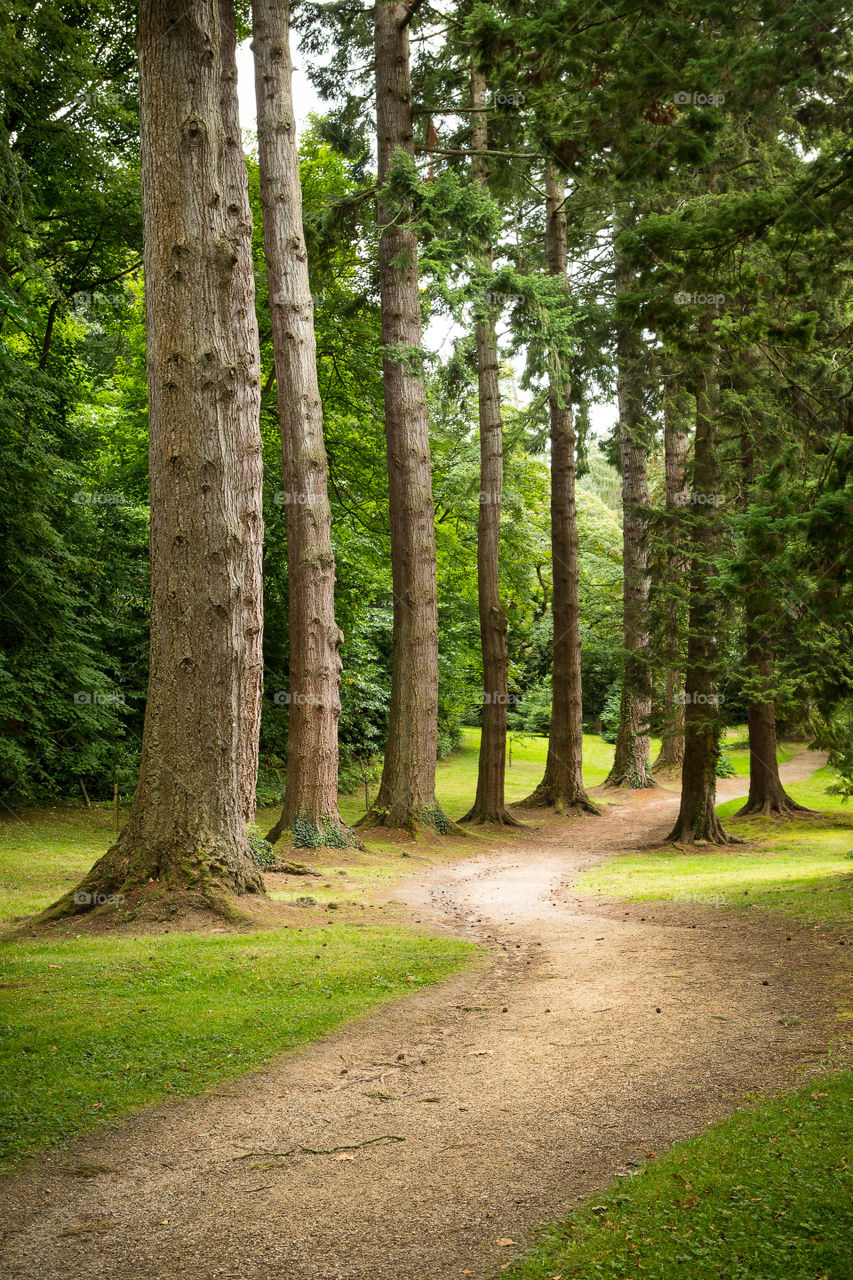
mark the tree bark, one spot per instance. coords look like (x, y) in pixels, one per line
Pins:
(489, 804)
(186, 827)
(250, 445)
(406, 795)
(676, 440)
(562, 784)
(311, 785)
(631, 762)
(697, 817)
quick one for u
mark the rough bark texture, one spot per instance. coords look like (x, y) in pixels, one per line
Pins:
(562, 784)
(697, 817)
(489, 804)
(676, 439)
(631, 763)
(311, 787)
(407, 789)
(186, 827)
(250, 446)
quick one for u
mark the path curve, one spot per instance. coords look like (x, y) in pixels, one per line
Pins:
(581, 1046)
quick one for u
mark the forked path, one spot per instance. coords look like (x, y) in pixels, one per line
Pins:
(592, 1037)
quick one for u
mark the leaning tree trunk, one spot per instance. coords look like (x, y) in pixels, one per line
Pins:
(250, 448)
(562, 785)
(406, 795)
(311, 787)
(697, 818)
(186, 827)
(631, 763)
(676, 439)
(489, 804)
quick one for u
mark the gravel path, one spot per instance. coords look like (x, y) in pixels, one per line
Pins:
(590, 1038)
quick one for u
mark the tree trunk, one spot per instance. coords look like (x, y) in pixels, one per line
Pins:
(186, 827)
(311, 787)
(489, 804)
(676, 438)
(250, 446)
(697, 818)
(407, 789)
(562, 785)
(631, 762)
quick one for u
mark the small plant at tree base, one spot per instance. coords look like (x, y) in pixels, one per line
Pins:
(262, 851)
(432, 815)
(328, 835)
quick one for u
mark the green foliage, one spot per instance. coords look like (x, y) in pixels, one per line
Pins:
(262, 851)
(327, 834)
(724, 767)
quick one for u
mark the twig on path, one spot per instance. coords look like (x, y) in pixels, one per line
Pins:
(322, 1151)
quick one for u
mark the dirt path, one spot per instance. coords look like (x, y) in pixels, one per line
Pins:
(584, 1044)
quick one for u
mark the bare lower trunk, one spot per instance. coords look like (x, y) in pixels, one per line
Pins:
(251, 454)
(697, 818)
(631, 763)
(562, 785)
(676, 439)
(407, 789)
(311, 788)
(186, 827)
(489, 804)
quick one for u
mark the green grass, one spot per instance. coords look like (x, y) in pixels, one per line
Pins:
(801, 867)
(736, 743)
(765, 1195)
(92, 1027)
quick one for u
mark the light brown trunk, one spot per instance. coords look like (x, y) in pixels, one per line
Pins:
(311, 787)
(186, 827)
(250, 447)
(697, 818)
(407, 789)
(676, 438)
(562, 785)
(631, 762)
(489, 804)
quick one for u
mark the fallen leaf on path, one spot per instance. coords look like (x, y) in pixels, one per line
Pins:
(343, 1156)
(505, 1240)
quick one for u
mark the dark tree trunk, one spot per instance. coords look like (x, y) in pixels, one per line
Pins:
(676, 438)
(562, 785)
(186, 827)
(406, 795)
(311, 787)
(489, 804)
(697, 818)
(631, 762)
(250, 448)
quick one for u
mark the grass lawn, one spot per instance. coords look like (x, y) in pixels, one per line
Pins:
(765, 1195)
(802, 866)
(91, 1027)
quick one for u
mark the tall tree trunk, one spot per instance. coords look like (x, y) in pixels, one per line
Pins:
(697, 818)
(250, 446)
(562, 784)
(311, 786)
(489, 804)
(631, 762)
(407, 789)
(186, 827)
(766, 793)
(676, 441)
